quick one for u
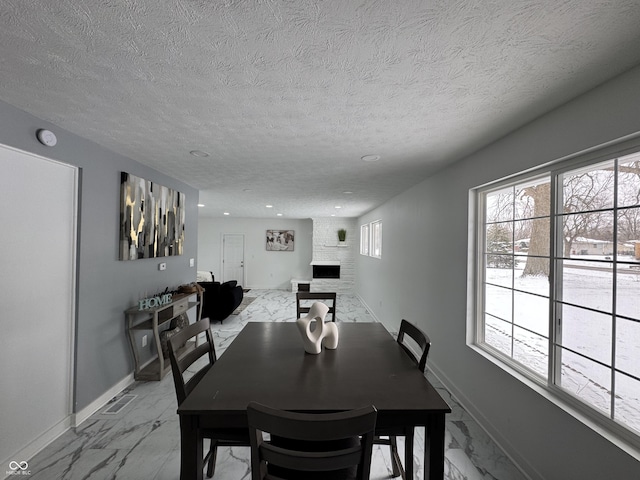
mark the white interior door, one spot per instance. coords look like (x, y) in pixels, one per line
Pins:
(233, 257)
(37, 298)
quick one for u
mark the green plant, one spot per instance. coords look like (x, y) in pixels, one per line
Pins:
(342, 234)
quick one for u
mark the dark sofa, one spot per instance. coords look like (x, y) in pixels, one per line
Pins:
(220, 300)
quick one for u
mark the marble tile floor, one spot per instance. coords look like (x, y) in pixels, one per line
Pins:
(143, 441)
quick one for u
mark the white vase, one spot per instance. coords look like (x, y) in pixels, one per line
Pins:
(324, 333)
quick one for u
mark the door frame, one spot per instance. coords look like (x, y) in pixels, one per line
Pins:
(45, 437)
(244, 268)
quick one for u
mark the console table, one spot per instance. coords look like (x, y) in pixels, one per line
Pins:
(152, 319)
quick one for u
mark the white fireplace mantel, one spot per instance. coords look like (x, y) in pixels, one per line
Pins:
(325, 262)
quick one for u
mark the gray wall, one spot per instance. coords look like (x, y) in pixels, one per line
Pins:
(263, 269)
(423, 277)
(106, 286)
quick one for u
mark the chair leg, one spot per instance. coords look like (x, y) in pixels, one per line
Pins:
(395, 458)
(210, 459)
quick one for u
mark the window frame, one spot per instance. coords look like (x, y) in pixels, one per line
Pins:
(365, 246)
(376, 239)
(371, 239)
(617, 433)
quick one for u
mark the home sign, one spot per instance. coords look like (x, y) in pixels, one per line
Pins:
(156, 301)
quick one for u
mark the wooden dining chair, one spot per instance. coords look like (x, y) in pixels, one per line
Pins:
(303, 306)
(184, 352)
(306, 446)
(416, 344)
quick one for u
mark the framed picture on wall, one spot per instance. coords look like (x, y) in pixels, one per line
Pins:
(280, 240)
(152, 219)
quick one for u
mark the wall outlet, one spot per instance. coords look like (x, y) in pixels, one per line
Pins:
(144, 340)
(162, 266)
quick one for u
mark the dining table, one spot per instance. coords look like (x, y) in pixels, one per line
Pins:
(266, 363)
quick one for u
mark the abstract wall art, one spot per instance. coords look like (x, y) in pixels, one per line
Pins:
(151, 219)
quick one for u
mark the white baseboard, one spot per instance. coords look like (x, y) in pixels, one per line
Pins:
(369, 309)
(71, 421)
(101, 401)
(500, 440)
(31, 449)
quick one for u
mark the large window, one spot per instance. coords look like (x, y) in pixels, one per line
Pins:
(558, 277)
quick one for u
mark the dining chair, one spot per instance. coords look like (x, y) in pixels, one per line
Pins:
(416, 344)
(311, 446)
(303, 306)
(184, 352)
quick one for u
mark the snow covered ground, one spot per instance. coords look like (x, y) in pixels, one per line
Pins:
(584, 331)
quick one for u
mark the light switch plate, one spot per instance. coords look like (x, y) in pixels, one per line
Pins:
(192, 262)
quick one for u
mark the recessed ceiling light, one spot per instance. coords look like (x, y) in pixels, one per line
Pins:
(278, 214)
(198, 153)
(333, 214)
(226, 213)
(269, 206)
(201, 205)
(370, 158)
(338, 206)
(347, 192)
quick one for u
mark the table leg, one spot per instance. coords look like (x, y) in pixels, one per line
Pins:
(408, 454)
(434, 447)
(190, 449)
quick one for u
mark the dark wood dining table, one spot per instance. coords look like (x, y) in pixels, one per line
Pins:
(266, 363)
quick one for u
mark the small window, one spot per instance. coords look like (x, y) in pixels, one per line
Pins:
(364, 239)
(376, 239)
(371, 239)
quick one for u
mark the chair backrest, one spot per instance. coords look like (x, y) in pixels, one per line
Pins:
(294, 436)
(420, 338)
(314, 297)
(182, 357)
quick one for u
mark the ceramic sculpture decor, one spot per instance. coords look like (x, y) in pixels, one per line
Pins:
(323, 333)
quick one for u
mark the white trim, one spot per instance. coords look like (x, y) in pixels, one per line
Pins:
(44, 438)
(376, 239)
(101, 401)
(365, 240)
(38, 443)
(498, 438)
(71, 421)
(583, 411)
(71, 346)
(369, 309)
(222, 278)
(559, 401)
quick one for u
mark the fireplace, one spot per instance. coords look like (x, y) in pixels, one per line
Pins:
(326, 271)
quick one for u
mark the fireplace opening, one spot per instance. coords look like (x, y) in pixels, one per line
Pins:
(326, 271)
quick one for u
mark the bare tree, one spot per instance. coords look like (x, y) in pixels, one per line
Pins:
(537, 259)
(583, 196)
(500, 206)
(629, 224)
(587, 200)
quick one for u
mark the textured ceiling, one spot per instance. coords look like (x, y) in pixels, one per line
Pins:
(287, 96)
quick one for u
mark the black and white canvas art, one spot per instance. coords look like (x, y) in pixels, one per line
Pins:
(280, 240)
(151, 219)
